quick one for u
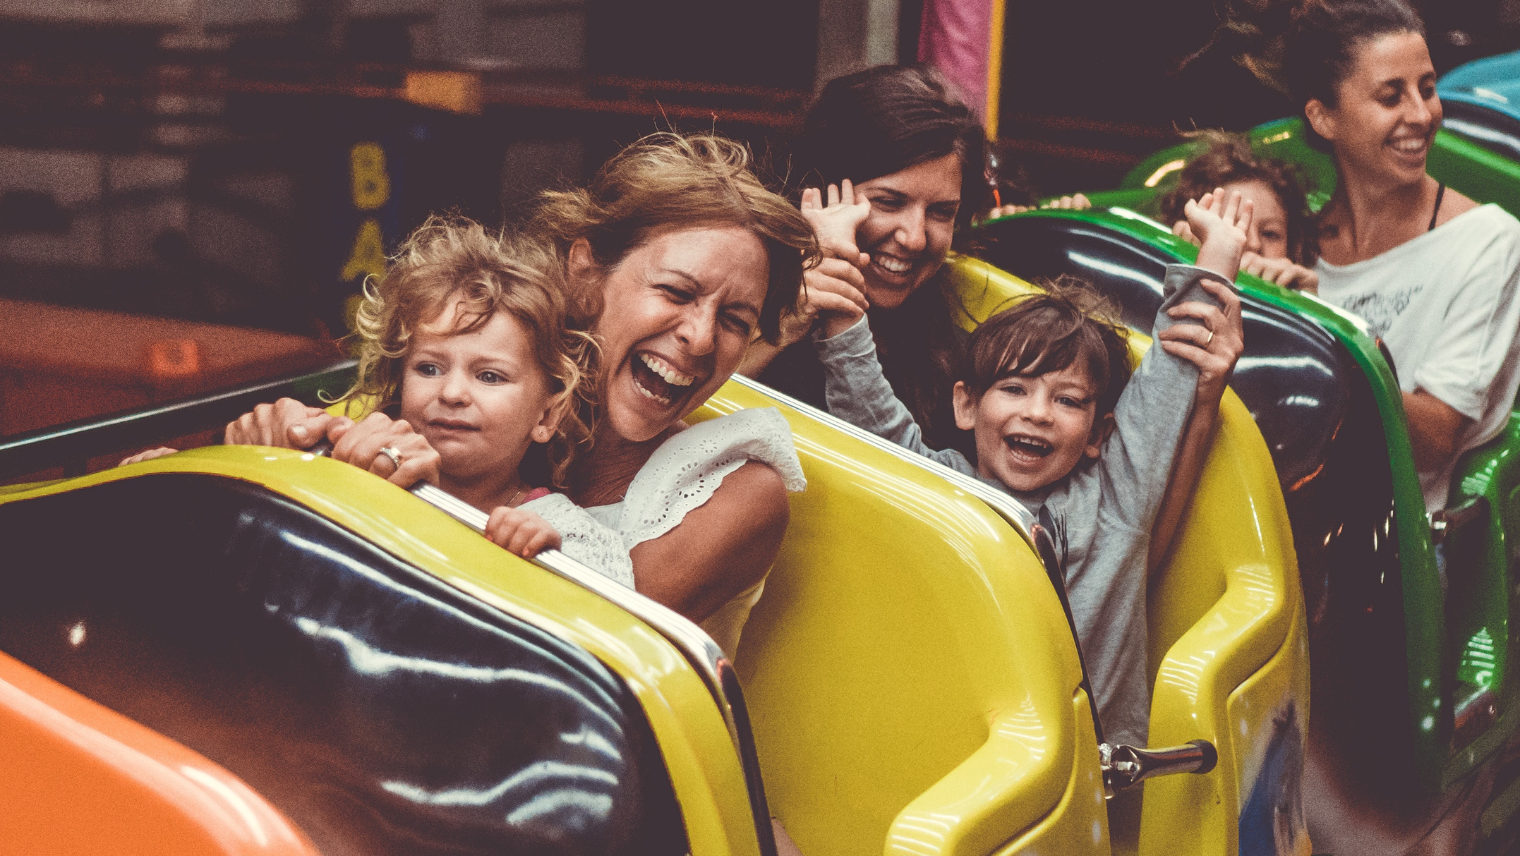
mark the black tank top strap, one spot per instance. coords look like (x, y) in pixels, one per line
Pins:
(1440, 192)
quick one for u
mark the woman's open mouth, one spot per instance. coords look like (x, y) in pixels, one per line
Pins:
(1410, 148)
(893, 267)
(658, 380)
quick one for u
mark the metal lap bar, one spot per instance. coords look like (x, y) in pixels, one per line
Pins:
(694, 644)
(1126, 766)
(64, 445)
(1446, 522)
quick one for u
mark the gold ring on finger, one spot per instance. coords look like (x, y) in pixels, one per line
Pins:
(394, 454)
(1209, 339)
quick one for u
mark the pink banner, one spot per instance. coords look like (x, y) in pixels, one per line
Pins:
(955, 38)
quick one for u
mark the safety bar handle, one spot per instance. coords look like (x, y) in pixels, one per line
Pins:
(1126, 766)
(1445, 522)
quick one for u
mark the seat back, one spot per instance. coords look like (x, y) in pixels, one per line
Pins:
(77, 778)
(1227, 655)
(909, 671)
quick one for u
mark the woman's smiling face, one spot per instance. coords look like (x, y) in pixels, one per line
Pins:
(909, 229)
(677, 314)
(1387, 112)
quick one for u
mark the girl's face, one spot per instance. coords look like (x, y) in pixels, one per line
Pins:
(1388, 111)
(1268, 237)
(480, 398)
(677, 314)
(909, 228)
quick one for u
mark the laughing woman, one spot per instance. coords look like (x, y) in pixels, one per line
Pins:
(676, 255)
(1434, 273)
(917, 155)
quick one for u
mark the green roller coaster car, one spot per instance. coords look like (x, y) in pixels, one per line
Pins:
(1415, 703)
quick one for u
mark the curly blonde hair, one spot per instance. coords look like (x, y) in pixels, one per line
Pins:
(450, 258)
(670, 181)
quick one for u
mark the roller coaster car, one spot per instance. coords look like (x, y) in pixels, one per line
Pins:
(348, 668)
(1414, 698)
(1479, 101)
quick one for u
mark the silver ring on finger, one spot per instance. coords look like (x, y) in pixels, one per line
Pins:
(1205, 344)
(394, 454)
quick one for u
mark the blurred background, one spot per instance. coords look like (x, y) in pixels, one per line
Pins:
(225, 172)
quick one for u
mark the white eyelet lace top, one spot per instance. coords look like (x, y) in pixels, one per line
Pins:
(680, 476)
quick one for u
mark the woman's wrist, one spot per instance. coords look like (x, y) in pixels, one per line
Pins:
(758, 358)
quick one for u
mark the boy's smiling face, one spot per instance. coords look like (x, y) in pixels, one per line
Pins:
(1033, 429)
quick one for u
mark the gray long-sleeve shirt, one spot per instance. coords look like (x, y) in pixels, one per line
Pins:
(1103, 512)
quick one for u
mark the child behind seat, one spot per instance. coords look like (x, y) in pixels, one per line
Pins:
(1112, 463)
(1283, 242)
(463, 341)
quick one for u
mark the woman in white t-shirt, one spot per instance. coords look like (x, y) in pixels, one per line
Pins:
(1435, 274)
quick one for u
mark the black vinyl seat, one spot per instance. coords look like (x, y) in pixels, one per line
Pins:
(1292, 376)
(381, 710)
(1498, 132)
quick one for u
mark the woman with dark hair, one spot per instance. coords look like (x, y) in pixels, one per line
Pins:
(1435, 274)
(916, 155)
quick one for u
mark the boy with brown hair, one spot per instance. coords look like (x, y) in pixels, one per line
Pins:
(1061, 425)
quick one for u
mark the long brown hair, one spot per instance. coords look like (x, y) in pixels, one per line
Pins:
(881, 121)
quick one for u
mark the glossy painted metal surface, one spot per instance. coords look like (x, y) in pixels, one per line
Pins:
(77, 779)
(699, 650)
(380, 709)
(1225, 610)
(1482, 103)
(1364, 550)
(909, 672)
(1464, 165)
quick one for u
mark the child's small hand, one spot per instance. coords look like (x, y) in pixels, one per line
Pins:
(1220, 222)
(1213, 346)
(1281, 272)
(521, 532)
(148, 455)
(832, 290)
(836, 223)
(1074, 202)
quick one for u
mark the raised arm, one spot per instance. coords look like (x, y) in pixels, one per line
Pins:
(857, 391)
(835, 286)
(1214, 348)
(832, 287)
(1213, 345)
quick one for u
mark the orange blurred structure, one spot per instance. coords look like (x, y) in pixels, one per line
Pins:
(79, 778)
(61, 364)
